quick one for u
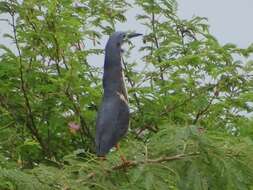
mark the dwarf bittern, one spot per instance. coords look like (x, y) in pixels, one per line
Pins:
(113, 115)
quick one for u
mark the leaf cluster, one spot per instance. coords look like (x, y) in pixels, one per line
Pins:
(191, 105)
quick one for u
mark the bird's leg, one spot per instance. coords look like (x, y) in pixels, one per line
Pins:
(122, 157)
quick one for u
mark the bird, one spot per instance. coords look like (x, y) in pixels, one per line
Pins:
(113, 114)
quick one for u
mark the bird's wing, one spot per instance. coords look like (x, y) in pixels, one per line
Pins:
(112, 123)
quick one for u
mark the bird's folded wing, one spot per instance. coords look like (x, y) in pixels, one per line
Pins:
(112, 123)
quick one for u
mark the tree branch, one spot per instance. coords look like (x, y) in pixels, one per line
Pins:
(31, 124)
(170, 109)
(156, 44)
(203, 111)
(135, 163)
(84, 127)
(154, 161)
(132, 86)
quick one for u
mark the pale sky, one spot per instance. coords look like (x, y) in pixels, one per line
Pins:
(229, 20)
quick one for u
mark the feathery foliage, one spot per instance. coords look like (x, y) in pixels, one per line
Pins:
(191, 105)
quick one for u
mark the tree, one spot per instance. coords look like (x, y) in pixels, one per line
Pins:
(190, 125)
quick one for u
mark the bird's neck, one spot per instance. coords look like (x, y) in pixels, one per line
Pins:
(113, 79)
(112, 57)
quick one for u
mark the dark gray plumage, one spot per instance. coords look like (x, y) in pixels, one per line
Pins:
(113, 116)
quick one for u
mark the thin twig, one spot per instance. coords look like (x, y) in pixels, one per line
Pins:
(132, 86)
(84, 127)
(31, 124)
(157, 44)
(135, 163)
(154, 161)
(203, 111)
(170, 109)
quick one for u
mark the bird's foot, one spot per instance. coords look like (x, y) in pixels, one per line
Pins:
(125, 162)
(124, 165)
(123, 159)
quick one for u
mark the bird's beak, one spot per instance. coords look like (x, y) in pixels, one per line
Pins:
(132, 35)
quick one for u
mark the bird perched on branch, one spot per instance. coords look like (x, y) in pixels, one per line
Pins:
(113, 115)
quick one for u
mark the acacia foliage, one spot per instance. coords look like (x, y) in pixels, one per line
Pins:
(191, 105)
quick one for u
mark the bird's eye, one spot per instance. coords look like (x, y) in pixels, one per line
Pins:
(124, 35)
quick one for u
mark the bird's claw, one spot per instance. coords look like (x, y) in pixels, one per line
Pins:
(123, 165)
(126, 163)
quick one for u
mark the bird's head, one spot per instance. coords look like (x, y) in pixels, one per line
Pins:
(118, 38)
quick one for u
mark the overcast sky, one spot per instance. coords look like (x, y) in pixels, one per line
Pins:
(230, 21)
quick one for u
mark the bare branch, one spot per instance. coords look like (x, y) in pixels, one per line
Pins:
(31, 124)
(154, 161)
(135, 163)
